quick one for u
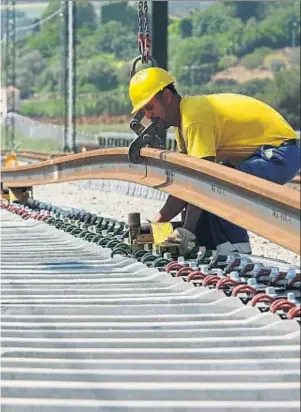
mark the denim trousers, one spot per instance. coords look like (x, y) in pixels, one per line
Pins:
(276, 164)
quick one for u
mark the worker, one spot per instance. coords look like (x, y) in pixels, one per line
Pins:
(228, 128)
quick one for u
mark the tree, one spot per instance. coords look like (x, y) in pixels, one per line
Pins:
(85, 15)
(212, 20)
(275, 31)
(98, 71)
(245, 10)
(28, 69)
(21, 20)
(49, 80)
(121, 12)
(174, 40)
(181, 27)
(47, 40)
(284, 95)
(196, 59)
(123, 73)
(116, 39)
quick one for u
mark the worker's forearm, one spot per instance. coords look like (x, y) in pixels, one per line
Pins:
(173, 206)
(193, 214)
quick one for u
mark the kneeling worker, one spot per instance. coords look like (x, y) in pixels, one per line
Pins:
(226, 127)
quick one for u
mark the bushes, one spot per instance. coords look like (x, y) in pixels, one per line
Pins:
(264, 57)
(47, 108)
(227, 61)
(253, 88)
(99, 72)
(212, 20)
(284, 95)
(115, 103)
(275, 62)
(276, 65)
(256, 59)
(195, 60)
(251, 61)
(275, 31)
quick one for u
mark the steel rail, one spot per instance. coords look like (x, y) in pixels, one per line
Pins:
(42, 156)
(260, 206)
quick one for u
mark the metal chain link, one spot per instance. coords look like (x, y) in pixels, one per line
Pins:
(140, 17)
(140, 27)
(144, 40)
(146, 26)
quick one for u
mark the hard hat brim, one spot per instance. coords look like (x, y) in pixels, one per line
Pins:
(140, 105)
(145, 101)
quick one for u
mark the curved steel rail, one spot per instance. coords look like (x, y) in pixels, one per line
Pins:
(42, 156)
(263, 207)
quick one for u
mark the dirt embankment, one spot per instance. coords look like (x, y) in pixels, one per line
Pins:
(289, 57)
(241, 74)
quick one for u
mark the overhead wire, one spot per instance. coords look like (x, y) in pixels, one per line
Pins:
(40, 22)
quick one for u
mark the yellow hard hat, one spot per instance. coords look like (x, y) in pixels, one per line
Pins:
(146, 83)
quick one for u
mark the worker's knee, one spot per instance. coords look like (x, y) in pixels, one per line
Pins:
(257, 167)
(280, 166)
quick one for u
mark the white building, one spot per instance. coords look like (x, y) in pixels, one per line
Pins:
(5, 94)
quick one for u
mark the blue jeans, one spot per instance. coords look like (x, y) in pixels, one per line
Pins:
(276, 164)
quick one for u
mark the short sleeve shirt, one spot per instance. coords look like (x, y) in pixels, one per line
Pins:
(228, 126)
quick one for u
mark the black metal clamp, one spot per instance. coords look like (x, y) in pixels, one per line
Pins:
(146, 138)
(146, 135)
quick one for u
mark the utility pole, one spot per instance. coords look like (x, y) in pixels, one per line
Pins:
(68, 78)
(159, 32)
(74, 76)
(159, 41)
(10, 55)
(64, 70)
(70, 72)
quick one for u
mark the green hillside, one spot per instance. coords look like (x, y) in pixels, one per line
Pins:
(209, 40)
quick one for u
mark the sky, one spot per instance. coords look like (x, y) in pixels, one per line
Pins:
(35, 8)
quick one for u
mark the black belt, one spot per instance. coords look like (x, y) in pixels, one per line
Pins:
(290, 142)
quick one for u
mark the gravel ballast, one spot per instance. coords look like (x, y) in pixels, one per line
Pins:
(118, 205)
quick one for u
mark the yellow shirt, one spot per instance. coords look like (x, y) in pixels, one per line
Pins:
(228, 126)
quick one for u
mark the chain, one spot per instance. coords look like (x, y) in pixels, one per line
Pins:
(144, 41)
(146, 18)
(140, 28)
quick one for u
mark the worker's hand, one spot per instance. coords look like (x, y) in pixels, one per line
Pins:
(184, 238)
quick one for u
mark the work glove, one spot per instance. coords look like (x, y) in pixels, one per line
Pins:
(184, 238)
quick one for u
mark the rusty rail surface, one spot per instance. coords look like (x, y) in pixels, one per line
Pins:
(263, 207)
(42, 156)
